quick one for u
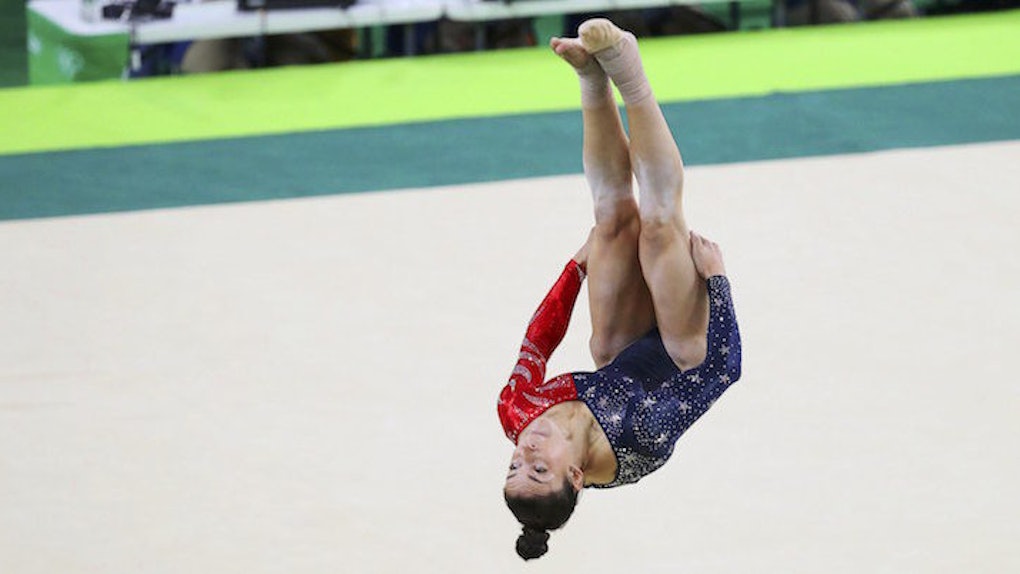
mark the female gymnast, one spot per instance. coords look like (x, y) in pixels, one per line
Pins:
(664, 335)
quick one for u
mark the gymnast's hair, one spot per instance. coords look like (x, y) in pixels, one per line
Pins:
(539, 515)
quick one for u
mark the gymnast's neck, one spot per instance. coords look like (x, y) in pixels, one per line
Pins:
(589, 446)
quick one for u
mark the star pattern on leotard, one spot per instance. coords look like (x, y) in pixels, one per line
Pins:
(632, 466)
(644, 419)
(642, 407)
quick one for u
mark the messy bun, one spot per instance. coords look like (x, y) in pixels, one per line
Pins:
(532, 543)
(539, 515)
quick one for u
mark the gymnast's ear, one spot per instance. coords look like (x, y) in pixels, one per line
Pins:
(576, 477)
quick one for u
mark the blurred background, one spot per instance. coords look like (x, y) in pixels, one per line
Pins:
(55, 41)
(265, 267)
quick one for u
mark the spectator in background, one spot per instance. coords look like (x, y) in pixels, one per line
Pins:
(447, 36)
(804, 12)
(278, 50)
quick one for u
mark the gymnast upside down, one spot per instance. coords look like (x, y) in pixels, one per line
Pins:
(664, 335)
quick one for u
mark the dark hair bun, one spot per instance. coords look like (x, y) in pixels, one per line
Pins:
(532, 543)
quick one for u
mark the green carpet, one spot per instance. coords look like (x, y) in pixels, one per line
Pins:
(405, 123)
(497, 148)
(387, 92)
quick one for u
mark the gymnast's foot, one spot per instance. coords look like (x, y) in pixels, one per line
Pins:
(617, 52)
(595, 88)
(597, 34)
(573, 52)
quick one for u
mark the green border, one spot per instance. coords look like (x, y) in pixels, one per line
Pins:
(448, 152)
(386, 92)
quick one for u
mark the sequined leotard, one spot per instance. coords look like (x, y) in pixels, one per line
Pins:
(642, 400)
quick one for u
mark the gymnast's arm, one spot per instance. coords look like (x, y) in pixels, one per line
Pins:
(549, 324)
(546, 330)
(723, 329)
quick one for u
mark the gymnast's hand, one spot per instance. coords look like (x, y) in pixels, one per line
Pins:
(582, 254)
(707, 257)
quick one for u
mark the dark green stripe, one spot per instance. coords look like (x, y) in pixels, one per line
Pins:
(489, 149)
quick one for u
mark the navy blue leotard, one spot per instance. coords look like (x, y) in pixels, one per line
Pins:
(642, 400)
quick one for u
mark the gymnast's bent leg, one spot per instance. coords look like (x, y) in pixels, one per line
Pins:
(619, 300)
(678, 294)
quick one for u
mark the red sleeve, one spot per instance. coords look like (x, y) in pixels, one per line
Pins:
(546, 330)
(549, 324)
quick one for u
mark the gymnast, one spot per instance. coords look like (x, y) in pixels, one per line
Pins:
(664, 336)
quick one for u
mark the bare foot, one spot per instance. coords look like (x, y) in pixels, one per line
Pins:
(595, 89)
(573, 52)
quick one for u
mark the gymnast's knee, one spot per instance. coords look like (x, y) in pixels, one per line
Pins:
(613, 221)
(602, 351)
(659, 230)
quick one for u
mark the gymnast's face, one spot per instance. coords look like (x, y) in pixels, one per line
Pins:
(541, 461)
